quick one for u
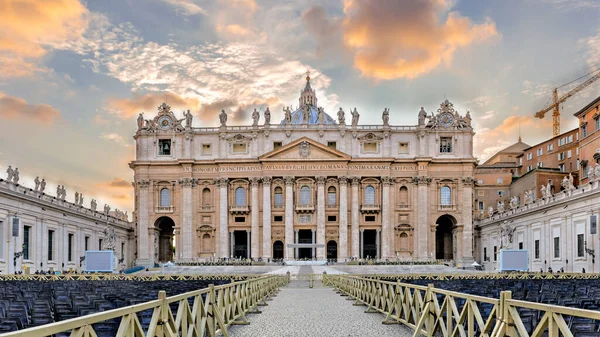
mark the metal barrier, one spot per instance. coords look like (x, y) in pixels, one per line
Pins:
(431, 311)
(213, 310)
(123, 277)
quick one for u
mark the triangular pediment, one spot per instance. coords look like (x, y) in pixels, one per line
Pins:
(304, 149)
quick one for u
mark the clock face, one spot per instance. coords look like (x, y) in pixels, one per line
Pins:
(446, 119)
(164, 122)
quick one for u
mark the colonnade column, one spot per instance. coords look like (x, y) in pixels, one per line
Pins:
(296, 241)
(343, 226)
(313, 242)
(385, 218)
(378, 244)
(321, 218)
(356, 249)
(142, 225)
(254, 245)
(232, 244)
(289, 216)
(422, 236)
(267, 246)
(223, 218)
(187, 220)
(248, 240)
(362, 242)
(467, 232)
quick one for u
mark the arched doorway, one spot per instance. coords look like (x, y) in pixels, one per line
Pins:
(277, 250)
(332, 250)
(444, 243)
(166, 244)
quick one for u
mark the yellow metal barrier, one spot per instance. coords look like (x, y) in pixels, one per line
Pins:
(431, 311)
(213, 310)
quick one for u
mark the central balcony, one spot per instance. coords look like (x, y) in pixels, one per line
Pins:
(164, 209)
(239, 209)
(305, 208)
(447, 207)
(370, 208)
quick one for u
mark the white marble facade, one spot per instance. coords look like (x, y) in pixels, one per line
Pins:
(382, 191)
(44, 226)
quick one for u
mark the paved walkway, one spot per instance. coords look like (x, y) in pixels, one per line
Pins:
(300, 311)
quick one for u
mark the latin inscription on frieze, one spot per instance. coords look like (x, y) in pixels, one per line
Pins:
(306, 167)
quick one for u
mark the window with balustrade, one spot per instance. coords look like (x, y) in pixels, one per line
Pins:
(240, 196)
(370, 195)
(446, 196)
(331, 196)
(165, 197)
(305, 195)
(278, 196)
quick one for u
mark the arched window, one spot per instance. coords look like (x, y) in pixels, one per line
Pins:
(206, 197)
(305, 195)
(331, 195)
(278, 196)
(370, 195)
(165, 197)
(446, 196)
(240, 196)
(403, 196)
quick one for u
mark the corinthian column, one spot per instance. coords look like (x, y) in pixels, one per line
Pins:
(289, 216)
(187, 214)
(422, 211)
(467, 215)
(142, 226)
(223, 218)
(266, 208)
(355, 234)
(385, 218)
(321, 218)
(343, 229)
(254, 225)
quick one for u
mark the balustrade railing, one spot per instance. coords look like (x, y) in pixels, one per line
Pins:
(165, 209)
(205, 312)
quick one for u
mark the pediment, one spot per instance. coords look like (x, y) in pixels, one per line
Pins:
(304, 149)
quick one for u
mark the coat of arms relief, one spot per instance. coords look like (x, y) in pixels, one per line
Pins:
(304, 149)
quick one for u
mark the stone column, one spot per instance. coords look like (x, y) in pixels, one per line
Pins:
(378, 244)
(266, 208)
(232, 244)
(289, 216)
(356, 249)
(467, 216)
(296, 240)
(313, 242)
(255, 209)
(362, 242)
(385, 218)
(143, 224)
(187, 211)
(248, 238)
(422, 241)
(343, 225)
(321, 218)
(223, 218)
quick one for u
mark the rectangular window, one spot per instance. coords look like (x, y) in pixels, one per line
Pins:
(570, 139)
(569, 154)
(580, 245)
(540, 164)
(500, 181)
(593, 224)
(557, 247)
(50, 245)
(520, 161)
(331, 218)
(577, 164)
(332, 145)
(495, 253)
(584, 173)
(239, 148)
(550, 147)
(206, 149)
(597, 123)
(480, 205)
(26, 238)
(277, 145)
(70, 247)
(370, 218)
(240, 219)
(370, 147)
(402, 148)
(561, 167)
(584, 131)
(445, 144)
(331, 198)
(561, 156)
(484, 253)
(529, 156)
(278, 218)
(99, 244)
(278, 199)
(536, 249)
(520, 245)
(86, 242)
(540, 151)
(500, 193)
(164, 147)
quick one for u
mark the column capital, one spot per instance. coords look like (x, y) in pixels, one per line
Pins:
(267, 180)
(289, 180)
(254, 181)
(387, 181)
(143, 183)
(222, 182)
(468, 181)
(343, 180)
(321, 180)
(186, 182)
(422, 180)
(355, 181)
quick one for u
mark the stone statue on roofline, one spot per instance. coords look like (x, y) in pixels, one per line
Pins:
(255, 117)
(37, 183)
(288, 115)
(320, 116)
(422, 116)
(385, 116)
(590, 173)
(355, 117)
(16, 175)
(140, 121)
(341, 117)
(223, 118)
(188, 119)
(500, 206)
(490, 211)
(42, 185)
(267, 116)
(9, 173)
(468, 118)
(597, 171)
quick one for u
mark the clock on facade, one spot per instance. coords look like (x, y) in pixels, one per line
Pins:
(446, 119)
(164, 122)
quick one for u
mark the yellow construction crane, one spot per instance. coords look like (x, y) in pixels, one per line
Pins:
(556, 101)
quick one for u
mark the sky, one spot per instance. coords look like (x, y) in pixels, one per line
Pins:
(75, 74)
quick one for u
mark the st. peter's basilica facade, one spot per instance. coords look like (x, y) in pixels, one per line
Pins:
(310, 187)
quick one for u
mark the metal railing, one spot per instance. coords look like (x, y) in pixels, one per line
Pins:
(211, 312)
(430, 311)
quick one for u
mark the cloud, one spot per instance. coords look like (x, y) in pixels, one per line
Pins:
(406, 39)
(535, 89)
(16, 108)
(27, 28)
(481, 101)
(98, 119)
(326, 30)
(114, 137)
(186, 7)
(120, 183)
(234, 20)
(488, 114)
(573, 4)
(591, 47)
(128, 107)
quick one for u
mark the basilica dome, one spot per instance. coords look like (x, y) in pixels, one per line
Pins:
(308, 100)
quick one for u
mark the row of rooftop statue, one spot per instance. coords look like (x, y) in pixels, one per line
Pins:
(425, 120)
(61, 193)
(546, 192)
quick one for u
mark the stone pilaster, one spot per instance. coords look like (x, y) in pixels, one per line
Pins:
(467, 218)
(343, 224)
(255, 209)
(356, 249)
(248, 241)
(385, 218)
(144, 258)
(223, 218)
(187, 213)
(378, 244)
(422, 218)
(313, 241)
(232, 244)
(321, 218)
(362, 243)
(266, 208)
(289, 216)
(296, 240)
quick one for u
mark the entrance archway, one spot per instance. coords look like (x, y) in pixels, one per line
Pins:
(369, 244)
(332, 250)
(444, 245)
(277, 250)
(166, 236)
(240, 244)
(305, 236)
